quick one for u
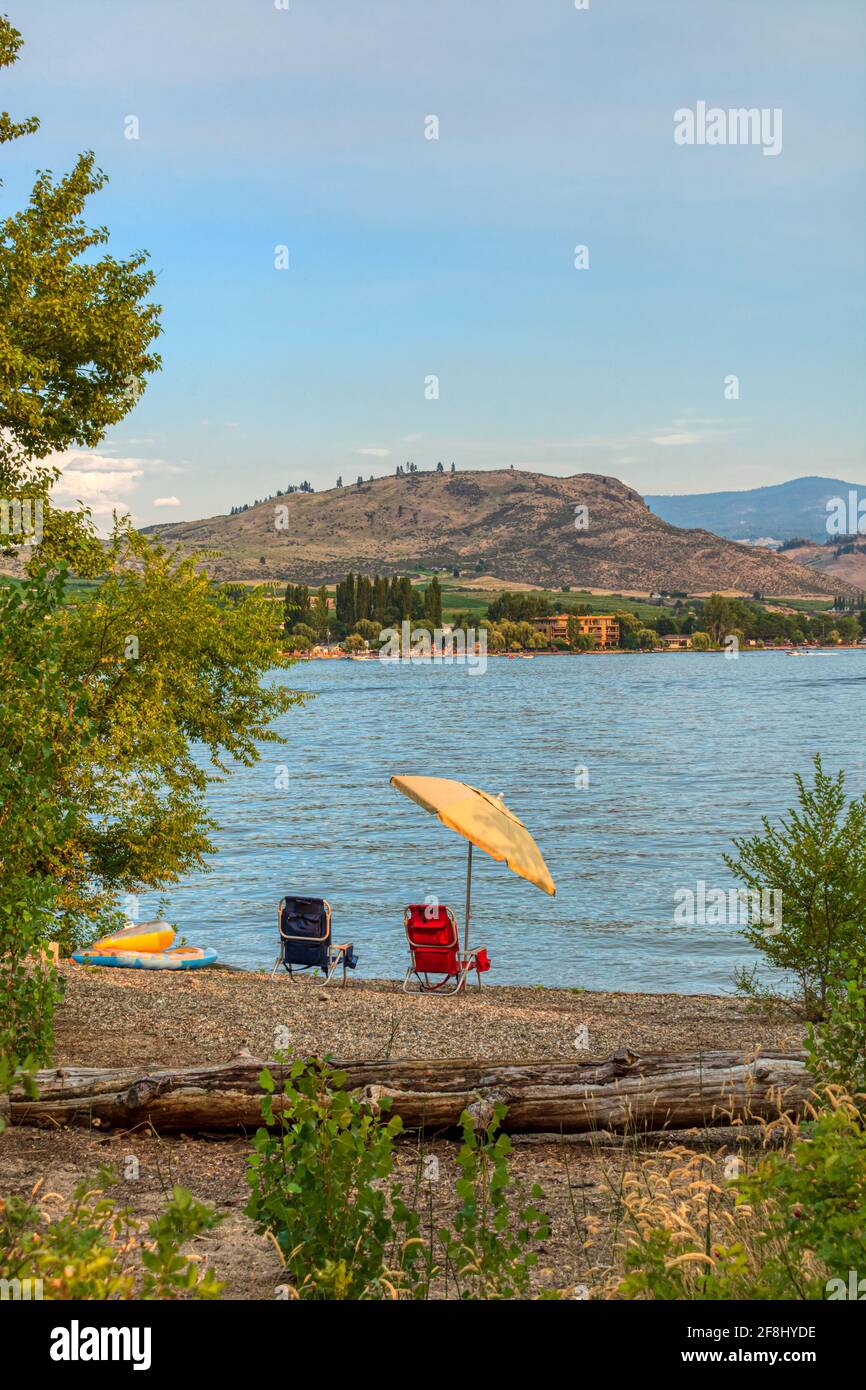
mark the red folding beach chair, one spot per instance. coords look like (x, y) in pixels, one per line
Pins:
(437, 962)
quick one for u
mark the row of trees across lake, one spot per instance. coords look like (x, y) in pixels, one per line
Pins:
(355, 613)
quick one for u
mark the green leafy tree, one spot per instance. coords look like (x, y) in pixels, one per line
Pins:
(579, 640)
(629, 624)
(517, 607)
(718, 617)
(34, 825)
(364, 597)
(433, 602)
(76, 334)
(105, 701)
(320, 618)
(155, 662)
(296, 605)
(816, 858)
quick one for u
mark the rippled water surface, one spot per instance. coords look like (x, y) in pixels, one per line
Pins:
(683, 751)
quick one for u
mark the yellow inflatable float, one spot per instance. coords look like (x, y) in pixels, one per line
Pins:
(179, 958)
(148, 936)
(144, 947)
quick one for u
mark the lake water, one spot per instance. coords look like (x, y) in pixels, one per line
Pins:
(682, 751)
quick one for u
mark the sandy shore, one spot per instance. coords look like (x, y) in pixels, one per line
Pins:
(124, 1017)
(118, 1017)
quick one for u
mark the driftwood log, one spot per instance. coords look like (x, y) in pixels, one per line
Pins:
(626, 1092)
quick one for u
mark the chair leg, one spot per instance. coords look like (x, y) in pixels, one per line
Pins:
(443, 987)
(276, 966)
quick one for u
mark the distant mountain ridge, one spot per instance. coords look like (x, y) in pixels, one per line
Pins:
(521, 527)
(781, 511)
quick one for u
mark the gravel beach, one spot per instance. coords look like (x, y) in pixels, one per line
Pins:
(124, 1017)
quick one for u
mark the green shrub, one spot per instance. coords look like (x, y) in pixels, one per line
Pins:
(837, 1046)
(30, 989)
(322, 1185)
(816, 859)
(487, 1251)
(95, 1250)
(15, 1073)
(313, 1182)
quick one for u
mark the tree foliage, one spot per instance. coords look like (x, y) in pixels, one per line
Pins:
(76, 333)
(816, 858)
(156, 667)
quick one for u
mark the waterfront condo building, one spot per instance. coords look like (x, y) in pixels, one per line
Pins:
(602, 627)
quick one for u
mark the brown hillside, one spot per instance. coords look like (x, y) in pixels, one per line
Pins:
(520, 525)
(842, 570)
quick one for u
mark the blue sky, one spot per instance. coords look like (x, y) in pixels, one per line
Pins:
(409, 257)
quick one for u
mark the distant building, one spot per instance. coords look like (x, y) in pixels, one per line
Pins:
(676, 641)
(601, 626)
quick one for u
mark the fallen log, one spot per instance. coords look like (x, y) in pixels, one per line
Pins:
(623, 1093)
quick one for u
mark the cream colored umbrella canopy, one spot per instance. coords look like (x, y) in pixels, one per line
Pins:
(483, 820)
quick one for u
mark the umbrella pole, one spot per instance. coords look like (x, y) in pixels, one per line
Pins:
(468, 897)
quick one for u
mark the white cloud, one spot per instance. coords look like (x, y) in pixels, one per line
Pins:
(166, 501)
(678, 437)
(374, 453)
(103, 483)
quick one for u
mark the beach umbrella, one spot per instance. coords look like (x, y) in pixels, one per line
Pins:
(483, 820)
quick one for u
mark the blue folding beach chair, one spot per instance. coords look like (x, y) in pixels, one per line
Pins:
(305, 939)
